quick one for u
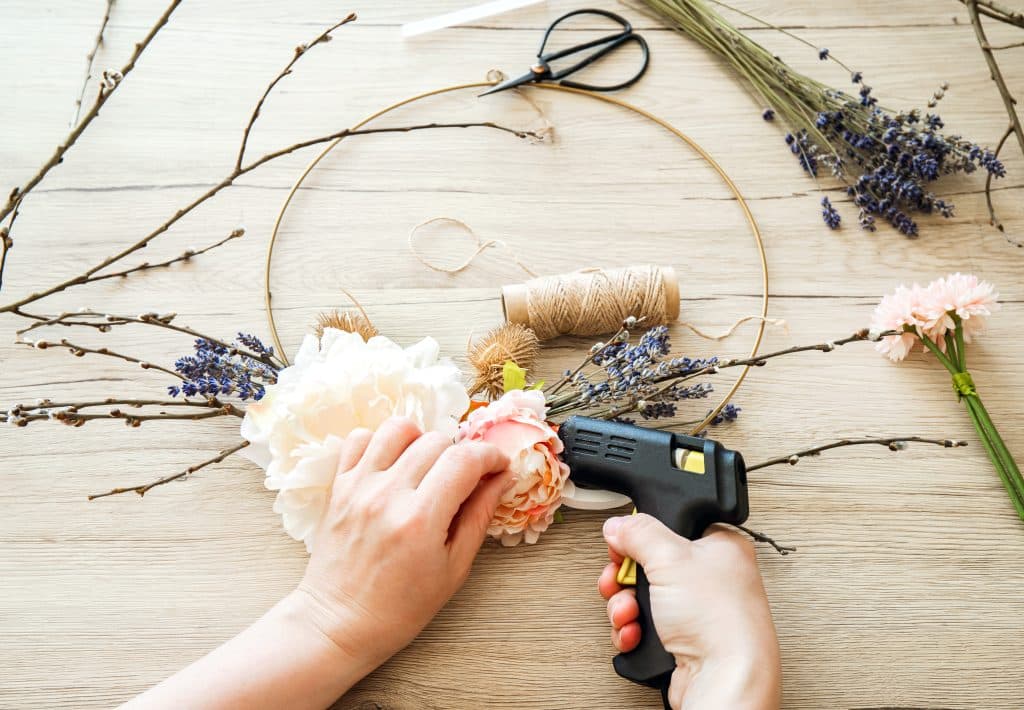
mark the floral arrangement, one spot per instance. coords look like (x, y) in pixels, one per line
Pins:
(943, 317)
(293, 418)
(885, 160)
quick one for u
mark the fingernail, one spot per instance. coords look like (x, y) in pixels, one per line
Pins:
(612, 525)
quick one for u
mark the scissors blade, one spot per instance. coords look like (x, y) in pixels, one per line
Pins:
(511, 83)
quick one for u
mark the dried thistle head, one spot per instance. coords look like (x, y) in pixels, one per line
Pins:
(487, 355)
(350, 321)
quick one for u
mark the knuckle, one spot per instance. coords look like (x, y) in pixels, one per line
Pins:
(464, 456)
(403, 424)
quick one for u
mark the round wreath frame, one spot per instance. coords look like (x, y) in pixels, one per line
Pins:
(608, 99)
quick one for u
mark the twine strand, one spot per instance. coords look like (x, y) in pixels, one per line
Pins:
(481, 247)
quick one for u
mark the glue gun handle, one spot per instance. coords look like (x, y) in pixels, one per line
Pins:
(649, 663)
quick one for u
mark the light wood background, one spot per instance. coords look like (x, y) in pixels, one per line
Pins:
(906, 590)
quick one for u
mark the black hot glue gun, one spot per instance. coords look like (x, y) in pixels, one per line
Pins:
(686, 482)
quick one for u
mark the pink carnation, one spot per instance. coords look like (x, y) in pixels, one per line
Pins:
(967, 297)
(515, 424)
(929, 313)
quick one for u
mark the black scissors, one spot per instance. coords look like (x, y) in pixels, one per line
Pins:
(542, 71)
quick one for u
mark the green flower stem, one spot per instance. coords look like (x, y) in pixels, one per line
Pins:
(946, 362)
(997, 452)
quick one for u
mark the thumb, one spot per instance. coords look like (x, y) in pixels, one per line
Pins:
(644, 538)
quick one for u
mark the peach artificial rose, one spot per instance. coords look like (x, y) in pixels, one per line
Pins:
(515, 424)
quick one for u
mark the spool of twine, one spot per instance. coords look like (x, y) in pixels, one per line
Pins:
(593, 301)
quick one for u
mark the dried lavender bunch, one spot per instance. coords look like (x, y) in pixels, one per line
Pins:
(885, 159)
(217, 369)
(618, 374)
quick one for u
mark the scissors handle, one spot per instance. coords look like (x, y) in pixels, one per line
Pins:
(610, 43)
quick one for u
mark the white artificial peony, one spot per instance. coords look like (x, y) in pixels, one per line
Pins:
(339, 383)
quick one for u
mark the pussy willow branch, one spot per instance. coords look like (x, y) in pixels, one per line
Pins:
(133, 420)
(166, 321)
(324, 36)
(89, 275)
(146, 487)
(92, 274)
(89, 59)
(567, 402)
(895, 443)
(184, 256)
(17, 195)
(999, 12)
(82, 351)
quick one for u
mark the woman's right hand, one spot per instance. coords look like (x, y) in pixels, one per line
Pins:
(709, 608)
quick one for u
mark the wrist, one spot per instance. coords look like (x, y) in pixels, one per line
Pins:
(739, 681)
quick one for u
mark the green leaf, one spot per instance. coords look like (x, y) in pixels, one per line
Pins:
(559, 518)
(513, 376)
(536, 385)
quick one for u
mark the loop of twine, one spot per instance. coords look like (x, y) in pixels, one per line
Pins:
(481, 246)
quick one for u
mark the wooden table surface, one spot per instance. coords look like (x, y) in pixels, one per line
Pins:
(906, 590)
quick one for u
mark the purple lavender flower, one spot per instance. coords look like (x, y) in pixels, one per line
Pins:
(768, 115)
(829, 214)
(823, 53)
(216, 370)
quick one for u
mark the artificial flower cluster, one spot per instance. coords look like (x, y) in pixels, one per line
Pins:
(934, 313)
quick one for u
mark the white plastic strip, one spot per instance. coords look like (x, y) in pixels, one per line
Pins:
(461, 17)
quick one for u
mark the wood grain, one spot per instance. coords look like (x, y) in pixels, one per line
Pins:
(906, 587)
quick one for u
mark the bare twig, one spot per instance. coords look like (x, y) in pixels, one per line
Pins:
(896, 443)
(47, 404)
(107, 88)
(146, 487)
(324, 36)
(133, 420)
(673, 380)
(89, 275)
(992, 218)
(761, 537)
(89, 59)
(82, 351)
(104, 321)
(184, 256)
(999, 12)
(973, 8)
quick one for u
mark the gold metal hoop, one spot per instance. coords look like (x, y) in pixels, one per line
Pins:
(267, 296)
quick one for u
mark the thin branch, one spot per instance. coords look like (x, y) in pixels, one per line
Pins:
(992, 218)
(673, 380)
(998, 47)
(761, 537)
(89, 59)
(88, 275)
(47, 404)
(184, 256)
(999, 12)
(107, 88)
(133, 420)
(997, 76)
(301, 50)
(897, 443)
(165, 321)
(81, 351)
(146, 487)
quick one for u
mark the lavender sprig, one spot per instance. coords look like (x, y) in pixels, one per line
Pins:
(215, 369)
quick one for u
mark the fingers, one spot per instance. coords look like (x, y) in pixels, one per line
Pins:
(455, 475)
(423, 453)
(627, 638)
(469, 528)
(389, 441)
(623, 608)
(607, 584)
(355, 445)
(644, 538)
